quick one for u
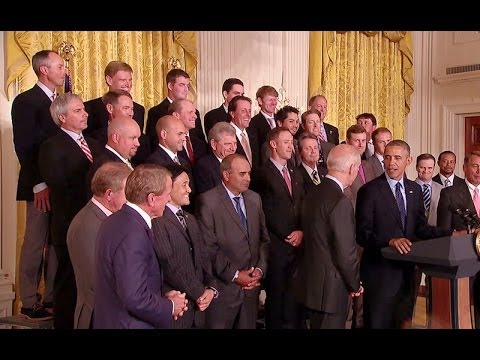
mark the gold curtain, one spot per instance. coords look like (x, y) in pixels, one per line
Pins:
(151, 54)
(369, 71)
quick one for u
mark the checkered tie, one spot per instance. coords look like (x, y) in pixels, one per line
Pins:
(85, 148)
(427, 197)
(447, 183)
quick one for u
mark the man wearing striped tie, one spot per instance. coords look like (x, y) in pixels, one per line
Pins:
(64, 160)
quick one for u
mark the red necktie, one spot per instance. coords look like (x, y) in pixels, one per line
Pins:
(362, 173)
(287, 179)
(85, 148)
(191, 155)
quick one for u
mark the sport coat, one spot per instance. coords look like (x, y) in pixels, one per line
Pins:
(329, 269)
(207, 173)
(254, 147)
(214, 116)
(259, 124)
(128, 277)
(199, 147)
(308, 184)
(32, 124)
(432, 213)
(81, 242)
(453, 198)
(373, 168)
(187, 266)
(456, 179)
(332, 134)
(103, 157)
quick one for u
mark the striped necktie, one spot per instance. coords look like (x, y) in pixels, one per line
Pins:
(85, 148)
(427, 197)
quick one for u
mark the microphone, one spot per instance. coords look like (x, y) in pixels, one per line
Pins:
(470, 220)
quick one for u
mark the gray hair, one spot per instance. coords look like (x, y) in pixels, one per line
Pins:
(342, 157)
(59, 106)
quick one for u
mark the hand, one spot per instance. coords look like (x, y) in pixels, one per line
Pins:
(41, 200)
(464, 232)
(205, 299)
(247, 279)
(295, 238)
(358, 293)
(179, 302)
(402, 245)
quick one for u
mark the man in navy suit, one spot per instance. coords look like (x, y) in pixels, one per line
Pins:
(129, 278)
(223, 142)
(178, 82)
(328, 132)
(390, 212)
(231, 87)
(32, 124)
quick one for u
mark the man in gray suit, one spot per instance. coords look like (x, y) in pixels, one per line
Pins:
(373, 166)
(233, 222)
(108, 188)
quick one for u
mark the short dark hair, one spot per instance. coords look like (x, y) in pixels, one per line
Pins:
(282, 114)
(303, 136)
(228, 84)
(367, 116)
(380, 130)
(355, 129)
(176, 170)
(173, 74)
(400, 143)
(425, 156)
(232, 105)
(275, 133)
(447, 152)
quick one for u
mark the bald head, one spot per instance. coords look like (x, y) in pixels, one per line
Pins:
(171, 132)
(123, 135)
(343, 162)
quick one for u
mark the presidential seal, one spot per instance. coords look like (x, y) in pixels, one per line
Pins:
(477, 243)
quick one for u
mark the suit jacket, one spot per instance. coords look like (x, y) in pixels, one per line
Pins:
(282, 210)
(452, 198)
(372, 167)
(456, 179)
(199, 146)
(32, 124)
(432, 213)
(184, 258)
(103, 157)
(98, 118)
(325, 148)
(254, 146)
(81, 242)
(214, 116)
(378, 221)
(308, 184)
(64, 167)
(156, 113)
(207, 173)
(329, 270)
(259, 124)
(332, 134)
(352, 190)
(230, 247)
(128, 277)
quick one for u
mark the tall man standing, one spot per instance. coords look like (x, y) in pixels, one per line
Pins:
(32, 124)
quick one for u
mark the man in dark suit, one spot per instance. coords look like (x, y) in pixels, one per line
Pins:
(178, 82)
(282, 194)
(195, 146)
(232, 220)
(390, 212)
(446, 177)
(357, 137)
(264, 121)
(108, 187)
(122, 145)
(309, 154)
(128, 274)
(223, 142)
(327, 132)
(64, 160)
(182, 253)
(329, 269)
(240, 109)
(118, 76)
(231, 87)
(463, 195)
(32, 124)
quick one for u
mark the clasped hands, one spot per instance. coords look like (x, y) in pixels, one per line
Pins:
(249, 279)
(179, 302)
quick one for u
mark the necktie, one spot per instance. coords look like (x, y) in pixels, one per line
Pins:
(54, 95)
(321, 136)
(246, 147)
(129, 164)
(287, 179)
(181, 217)
(176, 160)
(191, 155)
(362, 173)
(400, 203)
(447, 183)
(476, 201)
(243, 219)
(85, 148)
(321, 160)
(271, 122)
(427, 197)
(315, 178)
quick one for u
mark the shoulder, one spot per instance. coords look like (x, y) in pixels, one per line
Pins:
(138, 106)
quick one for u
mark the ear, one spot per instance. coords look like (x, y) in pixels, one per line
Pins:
(409, 160)
(226, 175)
(260, 101)
(273, 144)
(176, 114)
(213, 144)
(108, 80)
(108, 194)
(115, 138)
(150, 199)
(61, 118)
(109, 108)
(170, 86)
(44, 69)
(224, 93)
(163, 134)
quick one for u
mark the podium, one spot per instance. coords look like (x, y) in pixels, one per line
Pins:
(450, 261)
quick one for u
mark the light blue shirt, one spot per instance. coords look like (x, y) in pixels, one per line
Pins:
(231, 196)
(392, 183)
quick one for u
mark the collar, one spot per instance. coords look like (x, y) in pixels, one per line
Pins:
(340, 185)
(169, 152)
(142, 213)
(100, 205)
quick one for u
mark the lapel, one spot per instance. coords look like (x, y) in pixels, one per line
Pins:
(276, 174)
(409, 195)
(250, 213)
(141, 221)
(97, 211)
(464, 195)
(227, 203)
(170, 216)
(387, 194)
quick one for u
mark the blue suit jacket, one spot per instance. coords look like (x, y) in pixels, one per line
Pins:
(128, 278)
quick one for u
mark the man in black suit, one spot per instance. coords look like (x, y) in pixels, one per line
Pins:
(118, 76)
(64, 160)
(185, 261)
(463, 195)
(329, 269)
(122, 145)
(32, 124)
(223, 142)
(264, 121)
(446, 162)
(282, 194)
(390, 212)
(240, 109)
(311, 173)
(195, 147)
(178, 82)
(327, 132)
(231, 87)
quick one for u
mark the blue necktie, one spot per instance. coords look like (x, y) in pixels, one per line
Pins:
(400, 203)
(427, 197)
(243, 219)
